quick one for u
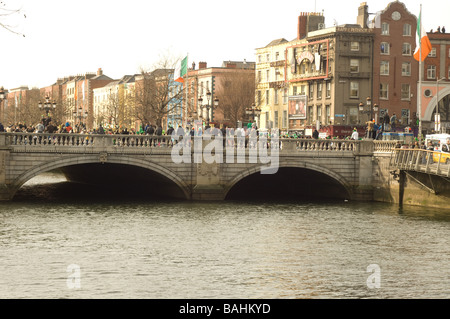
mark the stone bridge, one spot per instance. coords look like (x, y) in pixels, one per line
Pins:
(347, 165)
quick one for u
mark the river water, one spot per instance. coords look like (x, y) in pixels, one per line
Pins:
(58, 242)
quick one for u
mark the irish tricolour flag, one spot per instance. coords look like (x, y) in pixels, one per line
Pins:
(422, 42)
(180, 70)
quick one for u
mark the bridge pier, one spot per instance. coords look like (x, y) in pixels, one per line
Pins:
(208, 193)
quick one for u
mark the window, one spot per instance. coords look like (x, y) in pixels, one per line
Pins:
(431, 72)
(303, 68)
(285, 96)
(354, 65)
(294, 90)
(354, 90)
(406, 92)
(311, 115)
(277, 56)
(407, 29)
(259, 76)
(319, 90)
(432, 53)
(384, 68)
(258, 97)
(384, 48)
(275, 96)
(406, 49)
(353, 115)
(267, 75)
(267, 57)
(267, 97)
(259, 58)
(384, 91)
(328, 114)
(385, 29)
(311, 90)
(319, 113)
(276, 119)
(328, 92)
(354, 46)
(406, 69)
(285, 117)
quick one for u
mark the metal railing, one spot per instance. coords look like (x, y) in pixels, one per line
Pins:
(420, 160)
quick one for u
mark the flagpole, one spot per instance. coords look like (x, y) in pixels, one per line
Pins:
(419, 96)
(186, 88)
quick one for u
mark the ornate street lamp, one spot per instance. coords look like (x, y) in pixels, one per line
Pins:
(253, 111)
(370, 109)
(208, 106)
(80, 115)
(47, 106)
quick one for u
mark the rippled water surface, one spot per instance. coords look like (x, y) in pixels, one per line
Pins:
(145, 249)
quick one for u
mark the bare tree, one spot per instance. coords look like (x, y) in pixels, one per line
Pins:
(236, 92)
(156, 93)
(23, 108)
(112, 109)
(5, 14)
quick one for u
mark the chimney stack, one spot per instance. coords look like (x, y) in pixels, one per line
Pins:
(202, 65)
(99, 71)
(363, 15)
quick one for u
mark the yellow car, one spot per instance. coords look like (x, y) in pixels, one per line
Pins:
(443, 154)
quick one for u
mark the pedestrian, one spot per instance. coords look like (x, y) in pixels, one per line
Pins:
(443, 29)
(393, 121)
(355, 135)
(315, 134)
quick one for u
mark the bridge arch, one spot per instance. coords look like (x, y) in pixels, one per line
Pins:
(432, 103)
(300, 165)
(80, 160)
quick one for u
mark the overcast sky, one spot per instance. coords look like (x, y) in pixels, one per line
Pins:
(65, 38)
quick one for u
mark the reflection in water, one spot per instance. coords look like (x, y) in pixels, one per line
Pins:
(136, 247)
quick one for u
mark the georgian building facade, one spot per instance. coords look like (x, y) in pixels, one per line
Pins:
(329, 68)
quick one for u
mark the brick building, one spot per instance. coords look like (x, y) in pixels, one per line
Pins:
(232, 84)
(395, 71)
(436, 83)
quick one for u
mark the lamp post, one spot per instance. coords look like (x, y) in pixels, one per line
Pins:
(80, 115)
(371, 110)
(208, 106)
(437, 116)
(2, 97)
(47, 106)
(253, 111)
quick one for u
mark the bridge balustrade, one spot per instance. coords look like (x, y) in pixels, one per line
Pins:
(420, 160)
(47, 140)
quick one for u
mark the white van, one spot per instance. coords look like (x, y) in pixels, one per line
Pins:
(438, 140)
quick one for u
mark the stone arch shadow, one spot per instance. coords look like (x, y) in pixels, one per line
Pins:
(19, 181)
(303, 165)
